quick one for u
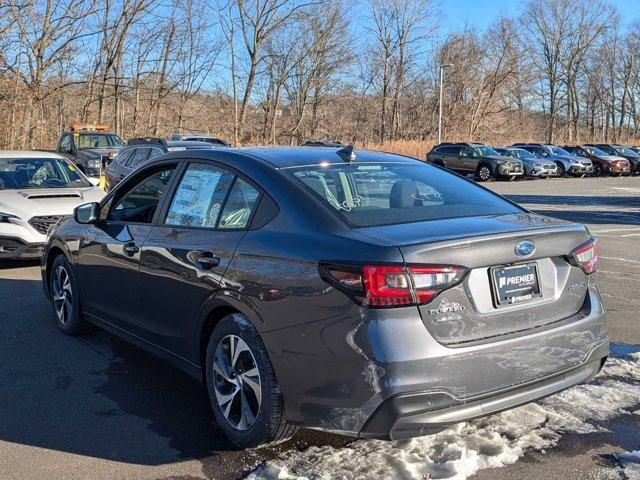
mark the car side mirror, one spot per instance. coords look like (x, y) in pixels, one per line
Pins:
(87, 213)
(94, 181)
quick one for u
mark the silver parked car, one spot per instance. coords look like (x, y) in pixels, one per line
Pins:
(536, 167)
(567, 164)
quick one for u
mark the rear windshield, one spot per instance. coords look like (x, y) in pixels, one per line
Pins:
(374, 194)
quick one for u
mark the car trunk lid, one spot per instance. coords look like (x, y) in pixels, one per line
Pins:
(472, 311)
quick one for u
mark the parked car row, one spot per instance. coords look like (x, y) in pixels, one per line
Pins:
(39, 188)
(535, 160)
(140, 150)
(92, 148)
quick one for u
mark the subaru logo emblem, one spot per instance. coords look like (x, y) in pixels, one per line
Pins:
(526, 248)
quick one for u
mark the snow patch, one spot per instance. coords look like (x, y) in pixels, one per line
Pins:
(629, 465)
(465, 448)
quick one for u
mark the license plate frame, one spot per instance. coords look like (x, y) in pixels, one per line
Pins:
(508, 293)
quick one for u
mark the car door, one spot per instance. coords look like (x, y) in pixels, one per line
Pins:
(116, 170)
(185, 257)
(452, 157)
(109, 252)
(468, 159)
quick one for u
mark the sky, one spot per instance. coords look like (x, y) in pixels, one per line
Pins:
(482, 12)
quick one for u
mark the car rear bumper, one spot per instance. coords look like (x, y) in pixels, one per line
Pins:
(343, 374)
(416, 414)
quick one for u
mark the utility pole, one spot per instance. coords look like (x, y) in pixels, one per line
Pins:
(442, 67)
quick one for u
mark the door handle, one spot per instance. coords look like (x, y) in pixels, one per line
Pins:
(130, 249)
(204, 260)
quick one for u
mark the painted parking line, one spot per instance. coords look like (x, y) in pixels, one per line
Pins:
(622, 229)
(621, 259)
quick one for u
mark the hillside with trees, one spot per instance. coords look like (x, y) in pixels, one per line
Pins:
(285, 71)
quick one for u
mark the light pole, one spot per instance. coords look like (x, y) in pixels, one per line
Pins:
(442, 67)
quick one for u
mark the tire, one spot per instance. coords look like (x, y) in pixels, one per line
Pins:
(65, 298)
(561, 170)
(597, 171)
(483, 173)
(254, 415)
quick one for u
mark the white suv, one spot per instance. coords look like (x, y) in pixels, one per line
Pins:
(37, 189)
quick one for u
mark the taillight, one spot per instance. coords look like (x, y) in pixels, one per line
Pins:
(384, 286)
(586, 256)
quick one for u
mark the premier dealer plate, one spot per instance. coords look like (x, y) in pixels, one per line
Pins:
(515, 283)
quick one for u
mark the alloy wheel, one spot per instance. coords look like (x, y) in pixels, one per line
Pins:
(236, 382)
(62, 294)
(484, 173)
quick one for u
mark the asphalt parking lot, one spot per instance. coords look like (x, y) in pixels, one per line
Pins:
(96, 407)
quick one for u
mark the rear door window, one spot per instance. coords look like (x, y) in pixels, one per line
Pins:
(452, 150)
(369, 195)
(139, 156)
(123, 158)
(239, 206)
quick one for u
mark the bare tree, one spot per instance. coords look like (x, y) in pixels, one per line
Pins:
(44, 36)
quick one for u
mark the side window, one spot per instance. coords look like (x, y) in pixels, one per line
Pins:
(155, 152)
(65, 143)
(466, 152)
(140, 203)
(200, 196)
(123, 157)
(241, 202)
(138, 156)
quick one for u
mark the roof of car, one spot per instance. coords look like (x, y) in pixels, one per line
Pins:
(474, 144)
(286, 157)
(159, 143)
(28, 154)
(191, 144)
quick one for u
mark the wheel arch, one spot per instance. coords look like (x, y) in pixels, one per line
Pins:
(485, 163)
(213, 312)
(53, 252)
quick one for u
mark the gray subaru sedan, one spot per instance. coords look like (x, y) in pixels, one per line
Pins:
(356, 292)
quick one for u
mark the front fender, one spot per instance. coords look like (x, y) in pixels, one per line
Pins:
(53, 245)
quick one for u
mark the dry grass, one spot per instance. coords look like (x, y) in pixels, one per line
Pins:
(411, 148)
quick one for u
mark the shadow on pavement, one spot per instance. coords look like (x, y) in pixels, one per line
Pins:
(8, 264)
(98, 396)
(94, 395)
